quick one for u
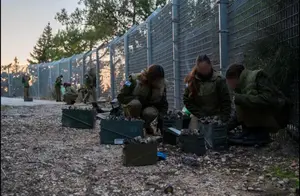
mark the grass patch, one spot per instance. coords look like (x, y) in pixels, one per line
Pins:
(282, 173)
(5, 107)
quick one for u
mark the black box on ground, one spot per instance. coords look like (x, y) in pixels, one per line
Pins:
(28, 99)
(171, 136)
(140, 154)
(78, 118)
(176, 123)
(215, 136)
(193, 144)
(112, 131)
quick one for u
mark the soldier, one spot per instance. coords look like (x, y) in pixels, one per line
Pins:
(70, 95)
(260, 107)
(57, 86)
(206, 93)
(25, 81)
(144, 95)
(90, 84)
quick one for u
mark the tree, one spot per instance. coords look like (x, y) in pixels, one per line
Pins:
(15, 65)
(6, 68)
(43, 50)
(100, 20)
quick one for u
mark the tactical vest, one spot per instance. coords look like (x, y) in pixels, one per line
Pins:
(253, 117)
(207, 98)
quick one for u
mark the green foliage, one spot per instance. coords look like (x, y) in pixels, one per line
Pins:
(42, 51)
(15, 65)
(100, 20)
(278, 58)
(97, 21)
(285, 173)
(6, 68)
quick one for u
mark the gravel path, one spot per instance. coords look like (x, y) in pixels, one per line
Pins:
(39, 157)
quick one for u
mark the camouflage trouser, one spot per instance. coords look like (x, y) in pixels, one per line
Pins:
(70, 98)
(26, 92)
(134, 110)
(194, 123)
(58, 93)
(90, 92)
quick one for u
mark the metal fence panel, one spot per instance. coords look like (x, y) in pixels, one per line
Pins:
(118, 63)
(77, 66)
(44, 83)
(137, 49)
(4, 84)
(248, 20)
(33, 72)
(162, 47)
(16, 84)
(104, 72)
(54, 73)
(64, 69)
(198, 35)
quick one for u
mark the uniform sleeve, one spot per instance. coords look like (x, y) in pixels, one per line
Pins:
(125, 95)
(190, 103)
(163, 105)
(224, 96)
(260, 97)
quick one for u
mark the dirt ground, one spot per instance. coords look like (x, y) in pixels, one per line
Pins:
(40, 157)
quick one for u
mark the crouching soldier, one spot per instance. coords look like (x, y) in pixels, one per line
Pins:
(25, 81)
(260, 107)
(144, 95)
(57, 87)
(206, 93)
(70, 95)
(90, 85)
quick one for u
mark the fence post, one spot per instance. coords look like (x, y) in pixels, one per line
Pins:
(223, 35)
(83, 69)
(112, 72)
(149, 48)
(126, 55)
(70, 69)
(50, 75)
(9, 84)
(59, 70)
(97, 74)
(83, 66)
(176, 68)
(38, 76)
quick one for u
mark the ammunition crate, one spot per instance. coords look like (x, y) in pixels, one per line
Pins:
(111, 131)
(78, 118)
(215, 136)
(28, 99)
(176, 123)
(171, 136)
(192, 144)
(140, 154)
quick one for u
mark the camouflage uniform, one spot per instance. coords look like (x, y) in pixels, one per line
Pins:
(141, 101)
(213, 99)
(70, 95)
(57, 86)
(259, 104)
(90, 84)
(25, 81)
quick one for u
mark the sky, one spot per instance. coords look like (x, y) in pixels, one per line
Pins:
(23, 21)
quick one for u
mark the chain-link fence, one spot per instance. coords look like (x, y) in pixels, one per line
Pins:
(198, 34)
(173, 37)
(4, 84)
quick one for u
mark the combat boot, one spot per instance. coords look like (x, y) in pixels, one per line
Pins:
(255, 136)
